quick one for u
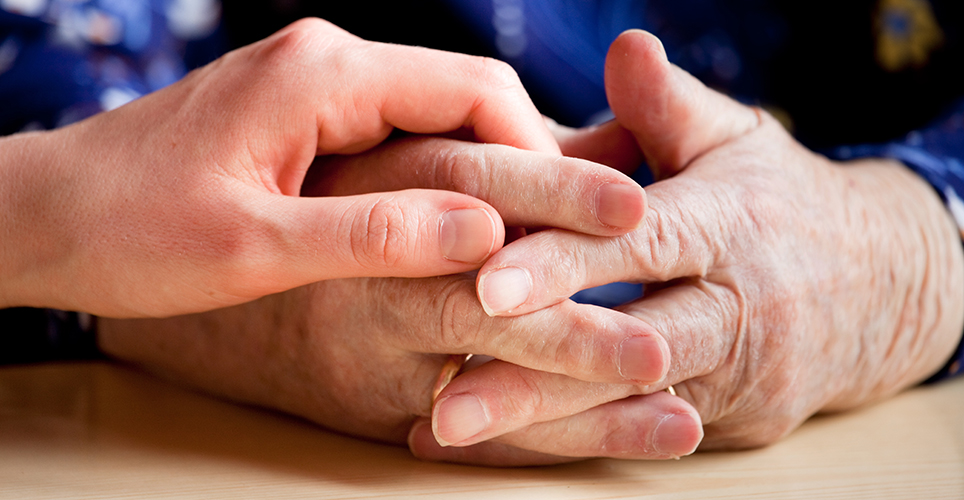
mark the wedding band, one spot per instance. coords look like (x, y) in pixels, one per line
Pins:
(670, 390)
(449, 370)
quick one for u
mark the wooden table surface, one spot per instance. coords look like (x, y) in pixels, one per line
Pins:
(97, 430)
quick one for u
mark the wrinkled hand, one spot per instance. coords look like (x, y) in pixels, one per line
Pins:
(359, 355)
(785, 284)
(188, 199)
(362, 355)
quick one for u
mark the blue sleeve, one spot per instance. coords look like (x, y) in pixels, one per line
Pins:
(936, 153)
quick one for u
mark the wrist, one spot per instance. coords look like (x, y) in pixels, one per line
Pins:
(35, 214)
(914, 254)
(940, 303)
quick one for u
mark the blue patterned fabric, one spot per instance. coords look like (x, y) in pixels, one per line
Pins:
(64, 60)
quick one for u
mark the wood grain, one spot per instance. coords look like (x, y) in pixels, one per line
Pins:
(97, 430)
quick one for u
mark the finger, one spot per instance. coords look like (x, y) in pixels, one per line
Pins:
(679, 238)
(371, 87)
(527, 188)
(608, 143)
(702, 323)
(582, 341)
(281, 242)
(674, 117)
(656, 426)
(422, 444)
(472, 408)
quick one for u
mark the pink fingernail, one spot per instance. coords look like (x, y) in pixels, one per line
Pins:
(620, 205)
(677, 435)
(504, 290)
(467, 235)
(641, 360)
(459, 418)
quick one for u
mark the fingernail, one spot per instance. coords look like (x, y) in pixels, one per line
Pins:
(459, 418)
(677, 435)
(467, 235)
(503, 290)
(420, 436)
(620, 205)
(641, 359)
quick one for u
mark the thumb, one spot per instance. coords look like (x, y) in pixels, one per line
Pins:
(410, 233)
(674, 117)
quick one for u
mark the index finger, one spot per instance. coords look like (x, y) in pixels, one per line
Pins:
(678, 238)
(529, 189)
(590, 343)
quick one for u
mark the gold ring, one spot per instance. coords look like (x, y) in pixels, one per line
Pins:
(449, 370)
(670, 390)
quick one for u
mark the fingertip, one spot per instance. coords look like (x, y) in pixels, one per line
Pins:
(673, 115)
(621, 206)
(467, 235)
(503, 290)
(631, 50)
(649, 42)
(637, 77)
(421, 441)
(457, 419)
(643, 359)
(678, 434)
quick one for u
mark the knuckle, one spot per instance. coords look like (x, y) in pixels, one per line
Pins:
(529, 398)
(385, 235)
(574, 355)
(624, 437)
(663, 248)
(463, 169)
(565, 267)
(495, 74)
(293, 42)
(459, 317)
(311, 25)
(299, 45)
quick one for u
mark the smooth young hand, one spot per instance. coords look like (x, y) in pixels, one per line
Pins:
(188, 199)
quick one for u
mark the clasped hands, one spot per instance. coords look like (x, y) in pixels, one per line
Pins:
(779, 283)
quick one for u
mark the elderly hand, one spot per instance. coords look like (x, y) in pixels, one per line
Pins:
(362, 355)
(188, 199)
(785, 284)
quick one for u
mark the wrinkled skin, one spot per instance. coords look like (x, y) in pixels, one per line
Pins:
(785, 284)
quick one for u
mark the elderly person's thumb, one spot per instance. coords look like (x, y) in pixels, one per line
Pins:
(673, 116)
